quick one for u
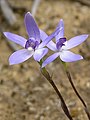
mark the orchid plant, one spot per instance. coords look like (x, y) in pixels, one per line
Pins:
(61, 49)
(37, 46)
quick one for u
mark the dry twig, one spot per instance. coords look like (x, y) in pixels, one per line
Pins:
(7, 12)
(35, 6)
(85, 2)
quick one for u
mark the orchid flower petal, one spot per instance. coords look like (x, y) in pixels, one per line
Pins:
(51, 45)
(43, 35)
(50, 59)
(31, 27)
(61, 33)
(15, 38)
(49, 38)
(68, 56)
(40, 53)
(73, 42)
(20, 56)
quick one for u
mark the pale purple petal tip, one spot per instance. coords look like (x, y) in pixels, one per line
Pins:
(60, 24)
(50, 59)
(15, 38)
(20, 56)
(68, 56)
(73, 42)
(31, 27)
(40, 53)
(61, 33)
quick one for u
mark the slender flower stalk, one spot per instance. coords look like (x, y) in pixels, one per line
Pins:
(75, 90)
(63, 104)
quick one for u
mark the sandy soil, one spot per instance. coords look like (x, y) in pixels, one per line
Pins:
(24, 93)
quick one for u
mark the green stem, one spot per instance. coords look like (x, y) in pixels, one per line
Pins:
(63, 105)
(77, 93)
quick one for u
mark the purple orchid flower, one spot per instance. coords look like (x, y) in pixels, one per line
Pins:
(33, 46)
(61, 48)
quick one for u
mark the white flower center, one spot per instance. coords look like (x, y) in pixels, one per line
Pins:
(63, 48)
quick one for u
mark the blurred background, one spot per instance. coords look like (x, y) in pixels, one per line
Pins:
(24, 92)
